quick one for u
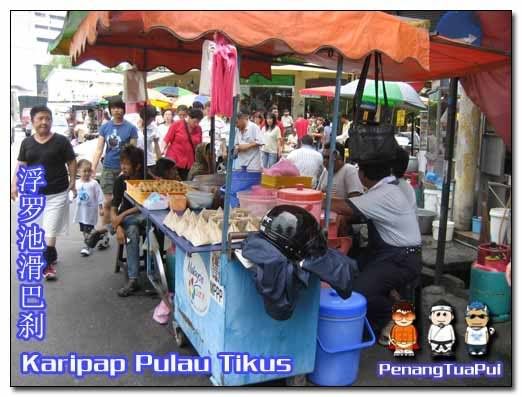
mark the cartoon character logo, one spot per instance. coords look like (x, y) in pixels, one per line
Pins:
(441, 336)
(83, 196)
(477, 332)
(403, 335)
(114, 141)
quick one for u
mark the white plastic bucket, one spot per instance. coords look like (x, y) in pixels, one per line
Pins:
(432, 200)
(449, 230)
(496, 215)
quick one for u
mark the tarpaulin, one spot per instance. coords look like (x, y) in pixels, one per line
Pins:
(174, 39)
(491, 90)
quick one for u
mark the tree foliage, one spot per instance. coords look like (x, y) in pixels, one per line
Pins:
(57, 60)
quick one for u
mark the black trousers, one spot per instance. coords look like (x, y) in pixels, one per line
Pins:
(380, 273)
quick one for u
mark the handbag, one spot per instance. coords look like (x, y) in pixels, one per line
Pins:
(372, 141)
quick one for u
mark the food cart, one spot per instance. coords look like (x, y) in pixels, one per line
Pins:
(216, 305)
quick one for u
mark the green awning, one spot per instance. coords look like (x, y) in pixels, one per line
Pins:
(277, 80)
(60, 45)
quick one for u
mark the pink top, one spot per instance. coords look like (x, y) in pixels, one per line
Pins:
(180, 149)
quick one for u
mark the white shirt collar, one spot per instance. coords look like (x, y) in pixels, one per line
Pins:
(383, 181)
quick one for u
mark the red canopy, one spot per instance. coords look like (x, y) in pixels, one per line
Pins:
(496, 30)
(174, 39)
(327, 91)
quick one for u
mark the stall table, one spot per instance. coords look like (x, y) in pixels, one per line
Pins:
(218, 309)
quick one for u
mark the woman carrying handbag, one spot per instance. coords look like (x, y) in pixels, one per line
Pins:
(181, 141)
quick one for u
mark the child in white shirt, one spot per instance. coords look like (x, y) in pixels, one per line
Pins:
(89, 202)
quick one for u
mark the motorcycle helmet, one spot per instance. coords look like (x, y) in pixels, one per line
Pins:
(294, 231)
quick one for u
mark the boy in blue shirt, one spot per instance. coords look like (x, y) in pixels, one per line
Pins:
(114, 135)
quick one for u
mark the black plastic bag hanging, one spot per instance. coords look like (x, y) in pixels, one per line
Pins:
(371, 140)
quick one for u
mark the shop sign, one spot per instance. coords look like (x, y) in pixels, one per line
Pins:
(197, 283)
(277, 80)
(401, 118)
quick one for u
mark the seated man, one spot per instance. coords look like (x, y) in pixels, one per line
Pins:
(346, 182)
(400, 165)
(393, 256)
(127, 219)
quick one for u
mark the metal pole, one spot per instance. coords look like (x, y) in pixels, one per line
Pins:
(412, 131)
(145, 121)
(212, 133)
(228, 181)
(450, 135)
(333, 141)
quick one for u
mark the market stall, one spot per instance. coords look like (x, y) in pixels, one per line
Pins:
(217, 306)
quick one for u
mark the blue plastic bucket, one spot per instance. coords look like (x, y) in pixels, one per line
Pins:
(241, 180)
(340, 339)
(476, 223)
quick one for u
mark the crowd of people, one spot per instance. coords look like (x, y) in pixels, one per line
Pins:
(178, 147)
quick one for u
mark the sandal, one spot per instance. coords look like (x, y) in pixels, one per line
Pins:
(131, 287)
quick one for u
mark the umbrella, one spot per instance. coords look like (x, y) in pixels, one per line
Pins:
(188, 100)
(399, 94)
(96, 102)
(173, 91)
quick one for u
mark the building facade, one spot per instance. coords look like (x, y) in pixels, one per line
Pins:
(74, 86)
(31, 32)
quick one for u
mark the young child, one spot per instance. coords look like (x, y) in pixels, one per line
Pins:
(89, 202)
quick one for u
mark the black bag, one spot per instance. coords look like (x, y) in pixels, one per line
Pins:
(371, 141)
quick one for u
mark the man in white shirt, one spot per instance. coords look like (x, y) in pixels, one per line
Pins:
(247, 144)
(147, 116)
(288, 123)
(346, 182)
(308, 161)
(219, 130)
(345, 125)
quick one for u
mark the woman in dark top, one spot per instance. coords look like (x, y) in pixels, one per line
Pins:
(54, 153)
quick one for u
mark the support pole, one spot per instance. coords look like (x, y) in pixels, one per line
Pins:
(412, 132)
(450, 139)
(145, 121)
(212, 133)
(466, 165)
(228, 181)
(333, 134)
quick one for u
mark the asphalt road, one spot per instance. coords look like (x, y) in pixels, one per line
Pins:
(85, 316)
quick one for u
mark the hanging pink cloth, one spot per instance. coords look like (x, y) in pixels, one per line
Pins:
(224, 70)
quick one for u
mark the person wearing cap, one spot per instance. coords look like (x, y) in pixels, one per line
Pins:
(114, 136)
(441, 335)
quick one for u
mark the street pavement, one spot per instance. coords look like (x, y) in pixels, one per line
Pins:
(85, 316)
